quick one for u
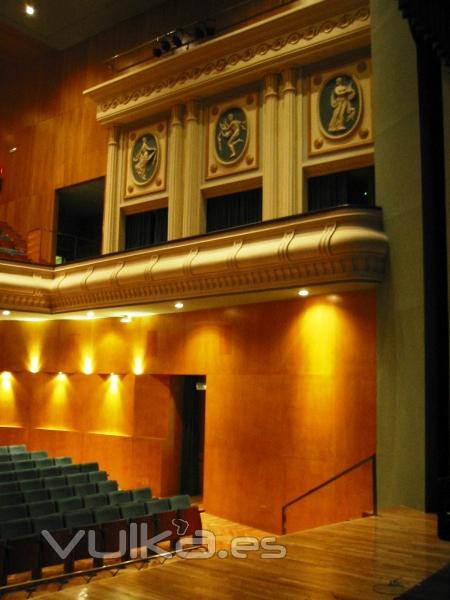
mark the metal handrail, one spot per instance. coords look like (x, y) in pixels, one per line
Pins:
(372, 458)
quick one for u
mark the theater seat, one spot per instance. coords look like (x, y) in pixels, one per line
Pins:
(11, 498)
(95, 500)
(182, 501)
(52, 471)
(13, 512)
(156, 506)
(6, 466)
(69, 504)
(42, 463)
(63, 460)
(111, 524)
(96, 476)
(77, 478)
(36, 495)
(104, 487)
(39, 509)
(69, 469)
(17, 449)
(85, 489)
(120, 497)
(22, 547)
(31, 484)
(88, 467)
(131, 510)
(55, 482)
(65, 491)
(39, 455)
(83, 520)
(55, 525)
(141, 494)
(9, 486)
(28, 474)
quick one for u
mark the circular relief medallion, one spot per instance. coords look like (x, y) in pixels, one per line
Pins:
(340, 105)
(144, 158)
(231, 135)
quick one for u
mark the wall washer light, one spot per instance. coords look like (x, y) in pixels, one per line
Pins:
(29, 9)
(178, 305)
(6, 313)
(303, 293)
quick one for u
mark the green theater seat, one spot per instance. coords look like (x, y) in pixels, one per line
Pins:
(39, 509)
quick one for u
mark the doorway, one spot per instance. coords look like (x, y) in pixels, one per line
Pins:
(193, 435)
(79, 220)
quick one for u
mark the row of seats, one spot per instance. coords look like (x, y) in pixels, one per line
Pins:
(14, 449)
(59, 492)
(19, 512)
(23, 485)
(31, 550)
(12, 458)
(46, 467)
(35, 463)
(36, 473)
(56, 481)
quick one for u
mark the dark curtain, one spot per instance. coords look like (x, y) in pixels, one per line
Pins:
(354, 187)
(146, 229)
(233, 210)
(193, 426)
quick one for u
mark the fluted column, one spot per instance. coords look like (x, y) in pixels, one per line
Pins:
(288, 202)
(176, 174)
(110, 240)
(193, 211)
(270, 147)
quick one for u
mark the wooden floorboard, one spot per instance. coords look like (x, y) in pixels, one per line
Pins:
(365, 559)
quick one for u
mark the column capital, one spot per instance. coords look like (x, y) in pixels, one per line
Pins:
(193, 107)
(271, 85)
(289, 80)
(176, 115)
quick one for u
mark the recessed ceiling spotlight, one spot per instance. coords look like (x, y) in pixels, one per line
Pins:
(126, 319)
(90, 314)
(6, 313)
(303, 293)
(12, 149)
(29, 9)
(179, 305)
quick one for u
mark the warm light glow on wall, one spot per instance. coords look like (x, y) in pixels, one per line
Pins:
(35, 363)
(318, 329)
(138, 365)
(114, 383)
(88, 365)
(6, 378)
(61, 376)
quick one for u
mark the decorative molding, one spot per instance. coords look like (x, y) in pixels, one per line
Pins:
(212, 65)
(343, 245)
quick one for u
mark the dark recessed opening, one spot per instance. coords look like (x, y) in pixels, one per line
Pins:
(80, 219)
(337, 189)
(146, 228)
(232, 210)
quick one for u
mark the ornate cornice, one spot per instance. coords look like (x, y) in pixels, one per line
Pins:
(212, 66)
(340, 246)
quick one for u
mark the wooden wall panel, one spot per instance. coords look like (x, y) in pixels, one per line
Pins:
(290, 401)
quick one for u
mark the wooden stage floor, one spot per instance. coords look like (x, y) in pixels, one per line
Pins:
(365, 559)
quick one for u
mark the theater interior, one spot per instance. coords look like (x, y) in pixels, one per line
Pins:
(223, 296)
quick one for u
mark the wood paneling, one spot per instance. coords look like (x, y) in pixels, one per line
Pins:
(290, 401)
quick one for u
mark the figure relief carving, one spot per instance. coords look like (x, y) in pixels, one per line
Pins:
(231, 134)
(340, 104)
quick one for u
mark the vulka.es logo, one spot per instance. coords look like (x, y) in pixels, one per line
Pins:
(136, 540)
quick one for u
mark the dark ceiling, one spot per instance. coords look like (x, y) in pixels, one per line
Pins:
(61, 24)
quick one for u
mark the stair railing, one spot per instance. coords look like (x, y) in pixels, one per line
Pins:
(372, 459)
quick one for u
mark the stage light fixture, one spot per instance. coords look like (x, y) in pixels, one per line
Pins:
(176, 40)
(165, 45)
